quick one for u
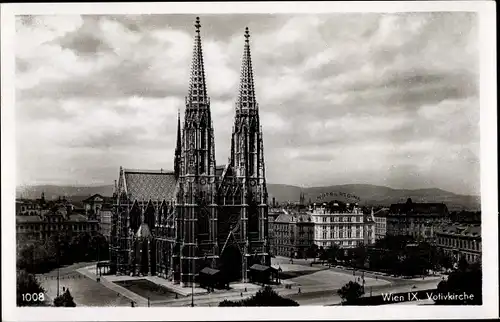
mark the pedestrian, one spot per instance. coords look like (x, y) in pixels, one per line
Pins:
(299, 290)
(241, 293)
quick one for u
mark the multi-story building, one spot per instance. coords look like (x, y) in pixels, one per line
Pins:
(31, 207)
(338, 223)
(369, 228)
(460, 240)
(272, 215)
(104, 216)
(419, 220)
(293, 234)
(41, 227)
(176, 223)
(380, 218)
(94, 203)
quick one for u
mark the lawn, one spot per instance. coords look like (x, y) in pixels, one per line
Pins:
(147, 289)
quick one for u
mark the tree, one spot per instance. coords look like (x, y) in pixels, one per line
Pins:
(466, 281)
(462, 264)
(332, 253)
(446, 261)
(264, 297)
(350, 292)
(312, 252)
(65, 300)
(323, 255)
(359, 256)
(27, 288)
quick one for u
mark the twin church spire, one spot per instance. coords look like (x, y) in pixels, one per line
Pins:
(197, 96)
(198, 116)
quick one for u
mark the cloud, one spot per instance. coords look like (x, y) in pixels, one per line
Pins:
(344, 98)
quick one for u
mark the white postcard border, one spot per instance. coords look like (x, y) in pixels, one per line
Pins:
(489, 186)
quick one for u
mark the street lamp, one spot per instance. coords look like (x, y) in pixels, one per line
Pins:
(194, 274)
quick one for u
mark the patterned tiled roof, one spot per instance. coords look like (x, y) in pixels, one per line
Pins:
(145, 185)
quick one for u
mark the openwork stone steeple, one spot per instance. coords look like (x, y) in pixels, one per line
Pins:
(246, 97)
(178, 148)
(197, 96)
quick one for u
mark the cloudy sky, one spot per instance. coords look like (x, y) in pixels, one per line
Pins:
(388, 99)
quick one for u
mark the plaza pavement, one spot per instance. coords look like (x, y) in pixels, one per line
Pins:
(318, 286)
(85, 291)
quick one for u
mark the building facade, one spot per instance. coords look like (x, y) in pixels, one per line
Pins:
(369, 230)
(293, 234)
(94, 203)
(174, 224)
(380, 218)
(41, 227)
(460, 240)
(419, 220)
(104, 216)
(272, 215)
(338, 223)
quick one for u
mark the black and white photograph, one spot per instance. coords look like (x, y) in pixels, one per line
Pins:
(249, 155)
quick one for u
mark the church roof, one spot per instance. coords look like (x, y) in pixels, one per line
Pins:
(145, 185)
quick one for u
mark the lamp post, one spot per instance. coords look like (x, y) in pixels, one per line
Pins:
(58, 262)
(194, 274)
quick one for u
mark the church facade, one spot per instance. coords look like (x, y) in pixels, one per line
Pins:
(175, 223)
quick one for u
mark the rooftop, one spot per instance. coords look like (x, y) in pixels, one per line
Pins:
(382, 212)
(472, 230)
(28, 219)
(411, 208)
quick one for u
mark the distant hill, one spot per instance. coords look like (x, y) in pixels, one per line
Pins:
(53, 191)
(374, 195)
(368, 194)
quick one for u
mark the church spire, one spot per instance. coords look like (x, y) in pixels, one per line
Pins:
(178, 148)
(197, 97)
(246, 97)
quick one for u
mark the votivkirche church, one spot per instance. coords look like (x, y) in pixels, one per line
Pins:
(175, 224)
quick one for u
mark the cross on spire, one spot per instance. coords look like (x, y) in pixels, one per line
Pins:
(247, 35)
(197, 24)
